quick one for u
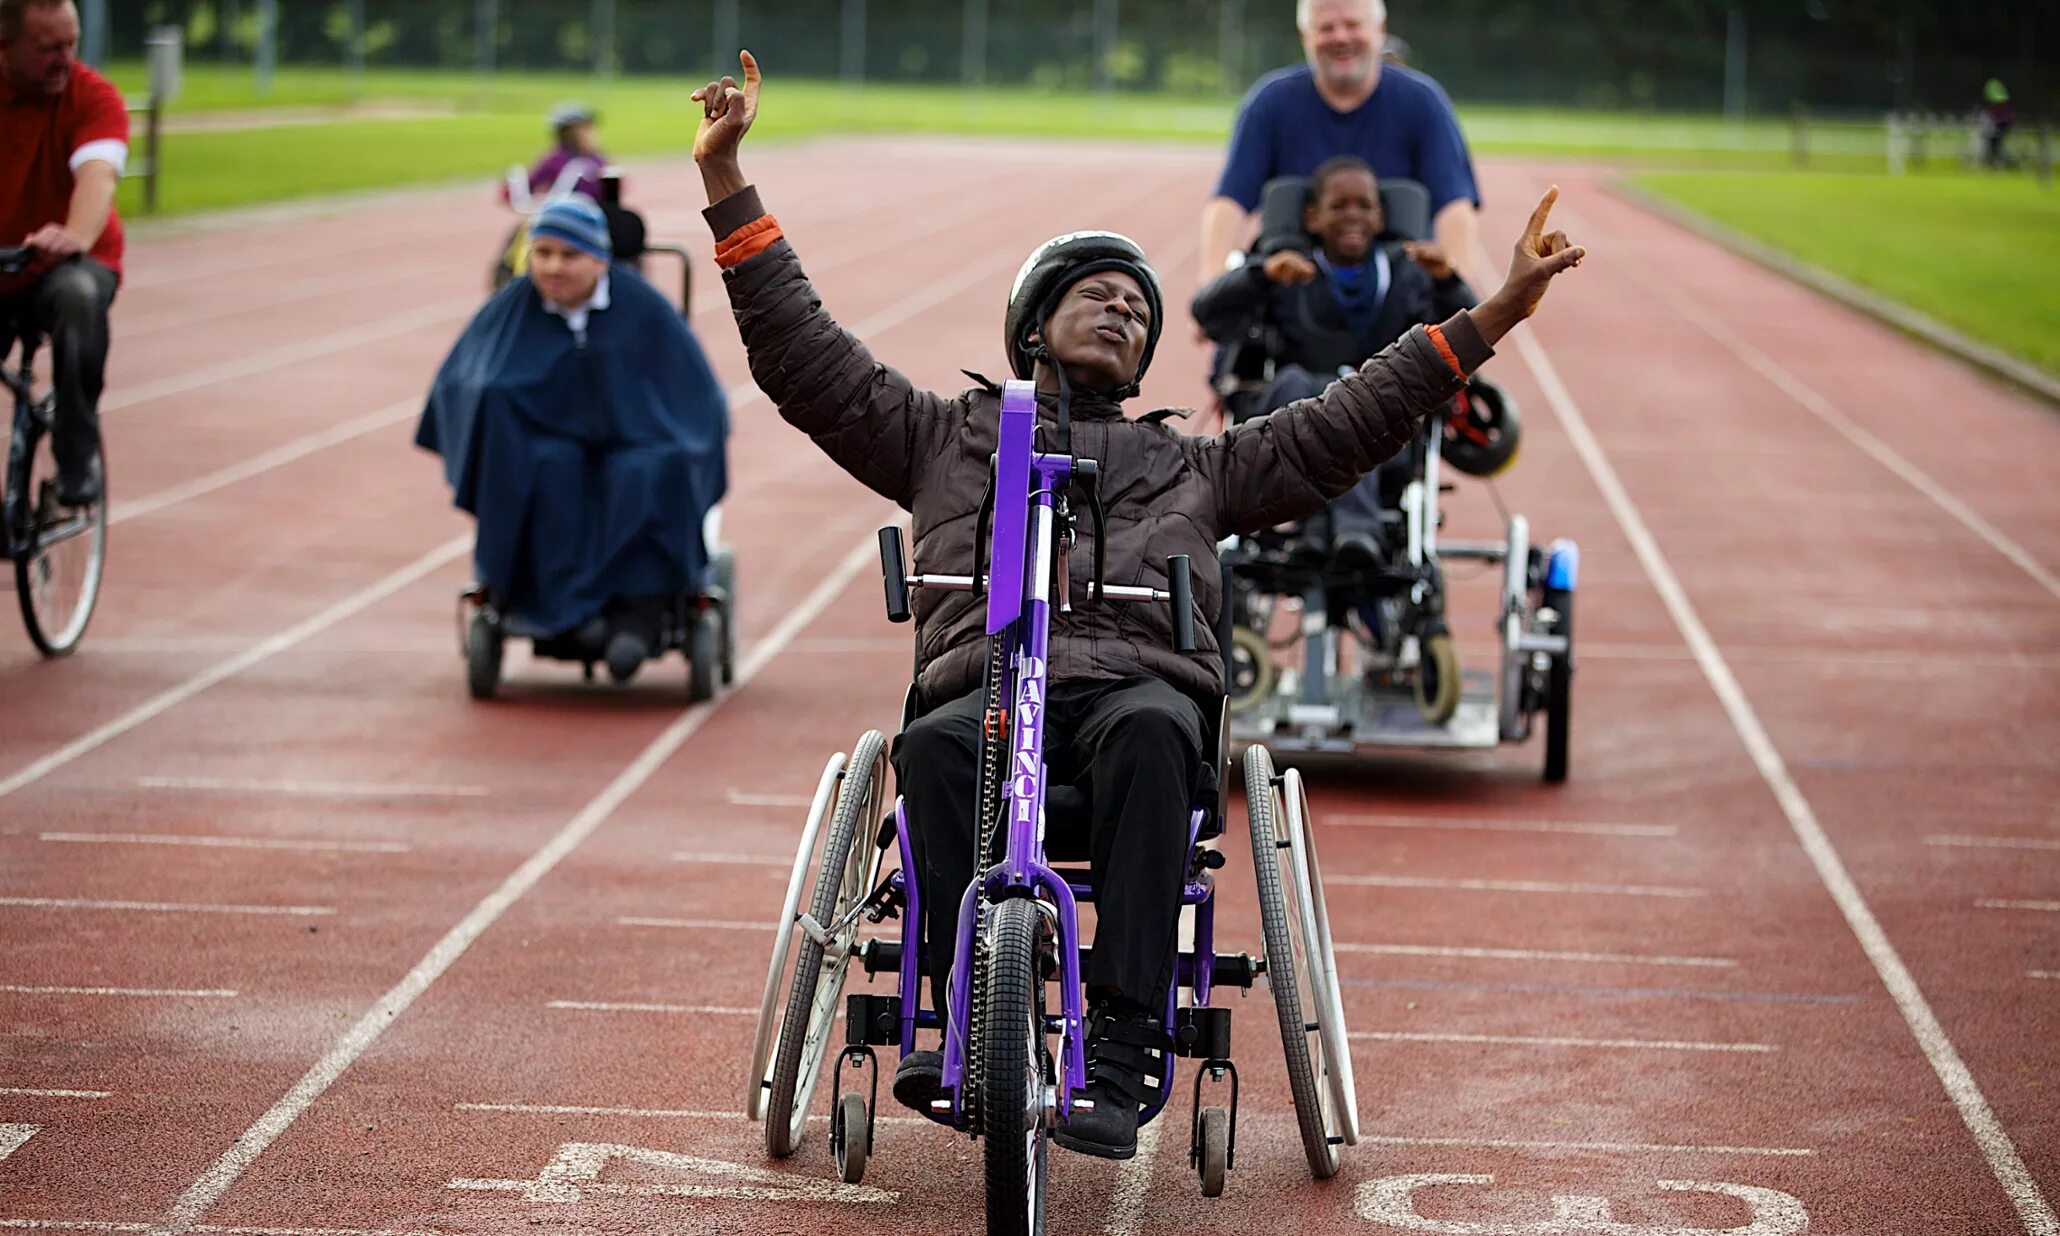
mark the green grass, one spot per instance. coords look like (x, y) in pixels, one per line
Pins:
(1977, 252)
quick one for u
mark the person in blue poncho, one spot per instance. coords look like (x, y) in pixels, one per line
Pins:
(580, 424)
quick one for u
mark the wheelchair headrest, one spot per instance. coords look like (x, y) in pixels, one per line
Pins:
(1405, 203)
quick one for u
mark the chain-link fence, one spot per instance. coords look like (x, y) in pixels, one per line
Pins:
(1764, 57)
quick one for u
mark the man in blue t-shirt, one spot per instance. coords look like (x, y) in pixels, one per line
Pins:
(1345, 101)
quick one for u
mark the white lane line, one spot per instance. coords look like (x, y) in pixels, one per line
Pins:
(168, 993)
(1914, 659)
(640, 1113)
(289, 354)
(1518, 886)
(387, 1010)
(1959, 1083)
(312, 789)
(30, 1093)
(2042, 974)
(256, 465)
(636, 1006)
(159, 907)
(102, 1225)
(1873, 447)
(698, 924)
(1523, 1040)
(174, 696)
(232, 843)
(1134, 1184)
(1501, 826)
(1526, 954)
(1995, 843)
(739, 798)
(741, 860)
(1493, 1143)
(1995, 903)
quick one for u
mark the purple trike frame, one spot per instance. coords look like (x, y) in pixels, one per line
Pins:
(1022, 548)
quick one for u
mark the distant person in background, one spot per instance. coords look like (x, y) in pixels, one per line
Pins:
(1998, 113)
(574, 162)
(1345, 101)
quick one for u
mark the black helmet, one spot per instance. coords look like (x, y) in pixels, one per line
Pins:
(1483, 429)
(1058, 264)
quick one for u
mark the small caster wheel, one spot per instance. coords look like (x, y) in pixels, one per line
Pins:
(1212, 1152)
(851, 1138)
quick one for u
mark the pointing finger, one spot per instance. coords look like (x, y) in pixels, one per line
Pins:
(1537, 224)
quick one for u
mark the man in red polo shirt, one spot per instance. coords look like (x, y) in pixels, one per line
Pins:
(64, 140)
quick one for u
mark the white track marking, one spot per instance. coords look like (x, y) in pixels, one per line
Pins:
(635, 1006)
(171, 698)
(231, 843)
(27, 1093)
(90, 1225)
(166, 993)
(1996, 843)
(1501, 826)
(1524, 1040)
(1489, 1143)
(312, 789)
(698, 924)
(159, 907)
(1134, 1184)
(359, 1038)
(1994, 903)
(1874, 448)
(1518, 886)
(407, 323)
(2042, 974)
(14, 1136)
(740, 860)
(1914, 659)
(739, 798)
(643, 1113)
(1525, 954)
(256, 465)
(1953, 1074)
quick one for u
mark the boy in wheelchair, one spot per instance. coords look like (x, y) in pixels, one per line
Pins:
(580, 423)
(1125, 716)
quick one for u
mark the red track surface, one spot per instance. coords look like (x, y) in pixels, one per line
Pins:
(1659, 982)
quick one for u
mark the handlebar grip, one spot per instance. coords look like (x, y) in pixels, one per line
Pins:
(15, 261)
(1180, 582)
(895, 571)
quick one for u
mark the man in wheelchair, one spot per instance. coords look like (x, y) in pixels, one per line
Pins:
(1125, 715)
(580, 424)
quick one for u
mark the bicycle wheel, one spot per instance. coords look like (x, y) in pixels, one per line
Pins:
(60, 552)
(1012, 1065)
(850, 862)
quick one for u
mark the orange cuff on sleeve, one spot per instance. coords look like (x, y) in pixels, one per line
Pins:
(1445, 349)
(748, 241)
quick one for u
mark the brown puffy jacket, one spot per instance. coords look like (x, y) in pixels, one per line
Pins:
(1165, 493)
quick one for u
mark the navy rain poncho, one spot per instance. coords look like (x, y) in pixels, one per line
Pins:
(589, 464)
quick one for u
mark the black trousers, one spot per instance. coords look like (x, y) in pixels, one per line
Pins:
(1136, 744)
(69, 304)
(1356, 512)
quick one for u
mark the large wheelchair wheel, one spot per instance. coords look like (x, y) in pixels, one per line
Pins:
(704, 653)
(1013, 1071)
(726, 584)
(1299, 963)
(1559, 687)
(60, 552)
(848, 864)
(483, 647)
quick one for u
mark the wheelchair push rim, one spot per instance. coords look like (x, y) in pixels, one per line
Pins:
(1321, 958)
(783, 939)
(60, 554)
(845, 878)
(1321, 1086)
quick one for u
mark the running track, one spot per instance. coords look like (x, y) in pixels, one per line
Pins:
(295, 938)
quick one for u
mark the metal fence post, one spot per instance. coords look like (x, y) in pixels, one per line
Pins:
(267, 44)
(1104, 45)
(356, 50)
(93, 32)
(851, 51)
(1734, 68)
(1230, 44)
(604, 37)
(973, 51)
(486, 22)
(225, 38)
(725, 59)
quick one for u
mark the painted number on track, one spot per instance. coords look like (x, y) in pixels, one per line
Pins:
(575, 1173)
(1392, 1201)
(14, 1136)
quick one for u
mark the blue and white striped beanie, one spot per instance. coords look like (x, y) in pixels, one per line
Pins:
(574, 219)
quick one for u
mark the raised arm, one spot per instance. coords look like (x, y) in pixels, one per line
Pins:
(869, 418)
(1289, 464)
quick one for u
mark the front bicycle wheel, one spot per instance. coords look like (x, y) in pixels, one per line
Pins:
(1013, 1065)
(60, 552)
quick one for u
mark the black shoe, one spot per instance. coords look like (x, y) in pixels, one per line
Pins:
(77, 489)
(919, 1080)
(627, 652)
(1126, 1055)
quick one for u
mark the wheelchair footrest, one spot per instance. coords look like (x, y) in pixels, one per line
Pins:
(1202, 1033)
(872, 1020)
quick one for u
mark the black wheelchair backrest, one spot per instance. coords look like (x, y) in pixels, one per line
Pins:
(1406, 204)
